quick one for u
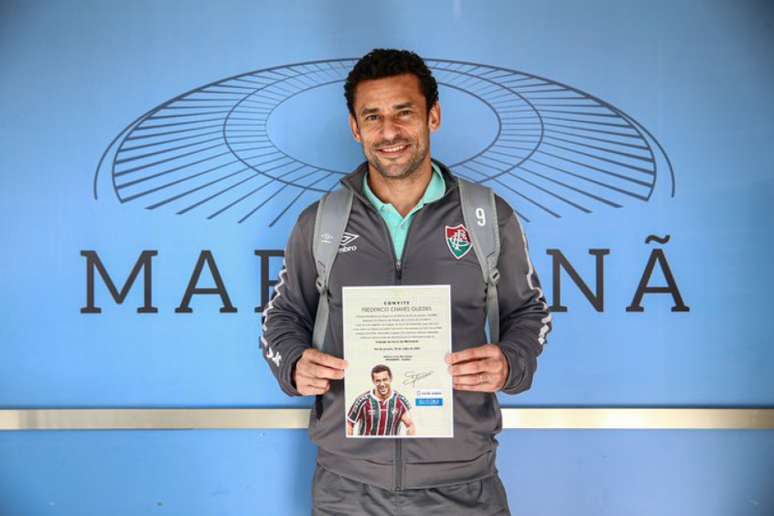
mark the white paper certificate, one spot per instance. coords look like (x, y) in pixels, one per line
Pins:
(395, 340)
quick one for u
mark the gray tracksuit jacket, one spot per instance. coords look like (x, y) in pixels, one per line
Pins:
(288, 321)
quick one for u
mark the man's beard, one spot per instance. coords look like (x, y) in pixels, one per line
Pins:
(412, 166)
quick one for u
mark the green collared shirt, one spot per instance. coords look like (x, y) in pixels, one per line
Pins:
(397, 224)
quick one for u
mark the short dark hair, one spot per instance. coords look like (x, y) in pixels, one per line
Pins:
(380, 369)
(388, 62)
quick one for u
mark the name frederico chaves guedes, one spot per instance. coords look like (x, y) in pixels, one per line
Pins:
(641, 287)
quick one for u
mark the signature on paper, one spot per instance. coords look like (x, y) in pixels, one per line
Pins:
(412, 377)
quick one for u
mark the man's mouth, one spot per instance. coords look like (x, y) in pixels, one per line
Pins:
(393, 150)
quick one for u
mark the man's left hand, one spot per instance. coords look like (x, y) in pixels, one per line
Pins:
(483, 368)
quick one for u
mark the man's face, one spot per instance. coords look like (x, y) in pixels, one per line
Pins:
(382, 382)
(393, 124)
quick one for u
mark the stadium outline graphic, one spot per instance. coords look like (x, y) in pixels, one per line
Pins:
(557, 150)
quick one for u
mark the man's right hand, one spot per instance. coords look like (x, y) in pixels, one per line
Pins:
(315, 370)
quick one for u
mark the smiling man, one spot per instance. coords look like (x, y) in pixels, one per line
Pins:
(407, 215)
(380, 411)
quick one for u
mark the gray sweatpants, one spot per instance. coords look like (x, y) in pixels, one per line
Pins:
(334, 495)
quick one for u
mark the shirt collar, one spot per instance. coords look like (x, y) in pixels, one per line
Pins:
(372, 392)
(434, 191)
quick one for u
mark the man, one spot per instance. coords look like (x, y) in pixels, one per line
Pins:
(380, 411)
(404, 204)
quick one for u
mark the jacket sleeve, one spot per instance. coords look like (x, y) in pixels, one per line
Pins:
(288, 318)
(524, 317)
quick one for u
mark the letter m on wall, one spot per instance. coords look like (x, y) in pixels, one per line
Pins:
(143, 262)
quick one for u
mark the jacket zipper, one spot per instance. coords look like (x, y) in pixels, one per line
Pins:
(398, 280)
(398, 445)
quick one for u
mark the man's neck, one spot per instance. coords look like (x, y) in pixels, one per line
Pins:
(403, 193)
(376, 393)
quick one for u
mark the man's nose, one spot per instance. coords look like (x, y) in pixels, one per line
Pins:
(389, 129)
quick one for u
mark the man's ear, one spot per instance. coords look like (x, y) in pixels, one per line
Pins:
(434, 117)
(355, 129)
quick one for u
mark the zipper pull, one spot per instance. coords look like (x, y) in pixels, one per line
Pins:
(398, 270)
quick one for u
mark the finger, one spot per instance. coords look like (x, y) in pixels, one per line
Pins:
(470, 379)
(312, 382)
(318, 371)
(485, 351)
(312, 391)
(325, 359)
(488, 365)
(476, 388)
(326, 372)
(471, 367)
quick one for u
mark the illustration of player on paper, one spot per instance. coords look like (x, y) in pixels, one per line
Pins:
(381, 411)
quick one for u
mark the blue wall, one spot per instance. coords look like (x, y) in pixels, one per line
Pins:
(695, 75)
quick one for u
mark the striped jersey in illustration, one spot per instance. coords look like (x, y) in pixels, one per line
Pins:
(378, 417)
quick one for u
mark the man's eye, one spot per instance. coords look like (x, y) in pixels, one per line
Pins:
(405, 112)
(371, 118)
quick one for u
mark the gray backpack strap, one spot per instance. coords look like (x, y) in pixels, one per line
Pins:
(329, 225)
(480, 215)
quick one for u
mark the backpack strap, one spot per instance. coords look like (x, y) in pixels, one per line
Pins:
(479, 213)
(329, 225)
